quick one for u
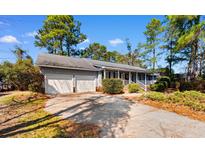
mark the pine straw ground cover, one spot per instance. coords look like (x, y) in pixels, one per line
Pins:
(188, 103)
(22, 114)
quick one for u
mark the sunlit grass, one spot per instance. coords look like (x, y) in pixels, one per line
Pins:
(16, 95)
(38, 123)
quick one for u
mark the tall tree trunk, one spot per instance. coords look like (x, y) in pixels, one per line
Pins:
(171, 59)
(200, 62)
(154, 56)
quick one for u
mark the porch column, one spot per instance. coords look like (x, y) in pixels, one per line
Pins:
(111, 74)
(104, 71)
(136, 77)
(130, 77)
(118, 74)
(145, 81)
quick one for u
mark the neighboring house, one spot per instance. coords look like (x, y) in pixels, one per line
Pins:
(70, 74)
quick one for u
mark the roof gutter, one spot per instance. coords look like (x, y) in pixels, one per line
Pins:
(61, 67)
(121, 69)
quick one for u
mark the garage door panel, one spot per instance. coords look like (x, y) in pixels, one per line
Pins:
(85, 83)
(60, 84)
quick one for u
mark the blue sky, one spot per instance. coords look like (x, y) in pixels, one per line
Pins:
(110, 31)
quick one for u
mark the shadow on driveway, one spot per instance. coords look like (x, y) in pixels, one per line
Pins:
(108, 112)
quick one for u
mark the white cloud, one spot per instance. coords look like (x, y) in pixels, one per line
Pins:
(116, 42)
(8, 39)
(30, 34)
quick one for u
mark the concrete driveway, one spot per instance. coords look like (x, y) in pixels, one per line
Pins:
(119, 117)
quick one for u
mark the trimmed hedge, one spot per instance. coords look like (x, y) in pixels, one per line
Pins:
(133, 88)
(112, 86)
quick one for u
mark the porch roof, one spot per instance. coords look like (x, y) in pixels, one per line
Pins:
(117, 66)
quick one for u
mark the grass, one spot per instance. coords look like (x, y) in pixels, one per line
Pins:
(7, 99)
(24, 116)
(188, 103)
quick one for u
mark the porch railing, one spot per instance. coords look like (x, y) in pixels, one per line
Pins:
(125, 82)
(142, 84)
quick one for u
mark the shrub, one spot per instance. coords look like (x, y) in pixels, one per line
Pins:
(23, 75)
(193, 99)
(162, 83)
(36, 86)
(112, 86)
(133, 88)
(155, 96)
(194, 95)
(175, 97)
(158, 86)
(186, 86)
(165, 79)
(198, 85)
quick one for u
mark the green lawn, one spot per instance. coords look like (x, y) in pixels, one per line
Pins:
(24, 116)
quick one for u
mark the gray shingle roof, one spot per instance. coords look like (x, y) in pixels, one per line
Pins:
(50, 60)
(56, 61)
(117, 66)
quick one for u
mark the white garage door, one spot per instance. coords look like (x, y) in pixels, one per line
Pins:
(59, 84)
(85, 83)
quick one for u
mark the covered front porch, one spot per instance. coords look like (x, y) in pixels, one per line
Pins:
(142, 78)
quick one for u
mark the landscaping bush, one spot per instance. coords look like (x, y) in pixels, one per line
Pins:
(133, 88)
(165, 79)
(186, 86)
(155, 96)
(112, 86)
(198, 85)
(23, 75)
(36, 85)
(162, 83)
(158, 86)
(194, 99)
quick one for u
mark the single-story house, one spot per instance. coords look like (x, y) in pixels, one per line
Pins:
(72, 74)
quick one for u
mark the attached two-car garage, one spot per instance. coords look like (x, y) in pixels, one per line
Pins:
(62, 81)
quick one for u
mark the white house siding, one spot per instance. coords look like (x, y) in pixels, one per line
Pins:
(63, 81)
